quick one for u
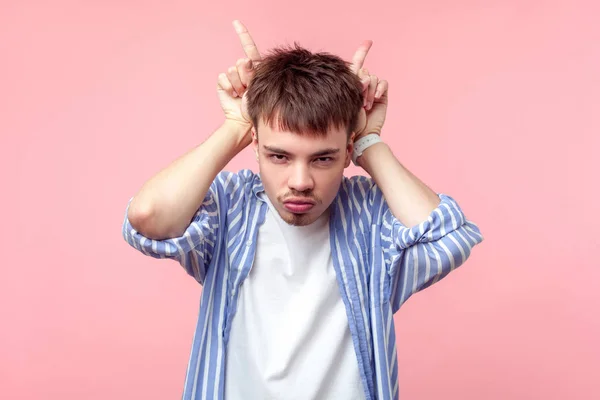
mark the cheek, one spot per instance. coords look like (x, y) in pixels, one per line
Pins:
(273, 178)
(329, 181)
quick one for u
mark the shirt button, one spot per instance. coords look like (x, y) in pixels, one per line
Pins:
(249, 243)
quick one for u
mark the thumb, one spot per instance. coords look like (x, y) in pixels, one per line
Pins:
(250, 68)
(362, 121)
(245, 107)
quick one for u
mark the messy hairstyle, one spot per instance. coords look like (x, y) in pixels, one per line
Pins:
(305, 93)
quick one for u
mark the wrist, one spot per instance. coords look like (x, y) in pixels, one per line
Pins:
(362, 143)
(238, 131)
(372, 156)
(363, 134)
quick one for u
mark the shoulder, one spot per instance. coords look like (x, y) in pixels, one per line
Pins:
(237, 188)
(358, 187)
(237, 181)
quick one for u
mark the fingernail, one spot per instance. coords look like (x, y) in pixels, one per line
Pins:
(377, 94)
(369, 105)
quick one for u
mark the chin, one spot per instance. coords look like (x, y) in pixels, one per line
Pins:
(298, 219)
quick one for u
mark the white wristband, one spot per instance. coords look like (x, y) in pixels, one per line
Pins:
(364, 143)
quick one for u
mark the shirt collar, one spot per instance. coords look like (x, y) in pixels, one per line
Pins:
(257, 186)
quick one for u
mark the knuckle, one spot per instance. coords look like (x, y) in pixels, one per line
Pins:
(224, 82)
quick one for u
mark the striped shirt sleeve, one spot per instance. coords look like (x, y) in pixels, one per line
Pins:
(419, 256)
(195, 247)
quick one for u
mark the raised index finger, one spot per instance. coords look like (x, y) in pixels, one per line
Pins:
(359, 57)
(247, 43)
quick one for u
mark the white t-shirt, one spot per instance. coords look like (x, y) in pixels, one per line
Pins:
(290, 337)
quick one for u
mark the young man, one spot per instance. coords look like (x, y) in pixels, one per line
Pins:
(301, 267)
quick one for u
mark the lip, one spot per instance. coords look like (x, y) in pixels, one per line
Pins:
(298, 205)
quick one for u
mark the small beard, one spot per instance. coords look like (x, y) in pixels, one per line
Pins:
(297, 219)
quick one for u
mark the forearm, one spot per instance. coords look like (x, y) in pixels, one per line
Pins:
(409, 199)
(166, 203)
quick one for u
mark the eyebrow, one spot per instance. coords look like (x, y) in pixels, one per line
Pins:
(320, 153)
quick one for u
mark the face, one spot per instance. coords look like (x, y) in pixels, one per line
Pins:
(301, 174)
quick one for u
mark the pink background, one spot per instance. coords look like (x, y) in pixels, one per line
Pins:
(496, 103)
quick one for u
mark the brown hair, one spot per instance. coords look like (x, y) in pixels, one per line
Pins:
(304, 92)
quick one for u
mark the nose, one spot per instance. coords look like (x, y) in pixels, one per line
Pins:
(300, 178)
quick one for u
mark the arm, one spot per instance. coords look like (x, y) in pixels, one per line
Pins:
(178, 214)
(420, 256)
(409, 199)
(427, 235)
(166, 203)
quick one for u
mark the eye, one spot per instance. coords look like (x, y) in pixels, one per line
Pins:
(324, 160)
(278, 158)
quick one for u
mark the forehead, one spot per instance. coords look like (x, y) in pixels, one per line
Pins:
(292, 142)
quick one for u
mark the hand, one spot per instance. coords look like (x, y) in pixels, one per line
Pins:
(375, 94)
(231, 85)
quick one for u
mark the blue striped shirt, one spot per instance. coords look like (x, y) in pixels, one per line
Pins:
(379, 264)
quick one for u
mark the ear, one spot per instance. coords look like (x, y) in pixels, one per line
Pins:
(349, 150)
(255, 141)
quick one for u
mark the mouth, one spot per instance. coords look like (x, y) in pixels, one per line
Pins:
(298, 206)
